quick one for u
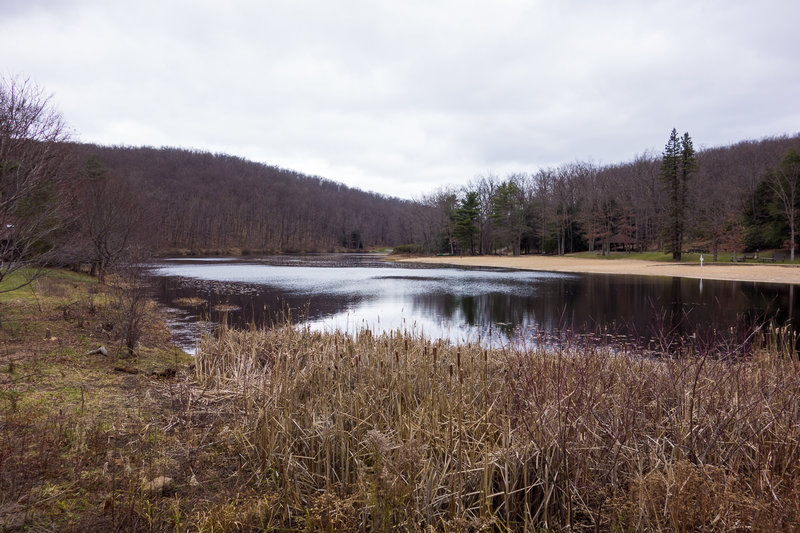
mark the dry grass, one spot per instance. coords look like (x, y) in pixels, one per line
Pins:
(193, 301)
(398, 432)
(82, 442)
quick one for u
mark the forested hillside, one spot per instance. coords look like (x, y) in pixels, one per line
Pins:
(200, 201)
(739, 197)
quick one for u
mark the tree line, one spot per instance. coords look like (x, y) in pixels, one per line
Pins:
(741, 197)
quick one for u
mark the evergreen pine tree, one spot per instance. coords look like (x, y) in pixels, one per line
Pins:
(466, 221)
(677, 164)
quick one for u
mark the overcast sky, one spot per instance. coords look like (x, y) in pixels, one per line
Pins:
(403, 96)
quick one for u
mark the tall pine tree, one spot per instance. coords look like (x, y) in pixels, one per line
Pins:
(466, 221)
(677, 164)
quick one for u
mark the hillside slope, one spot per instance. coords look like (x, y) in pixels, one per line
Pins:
(201, 201)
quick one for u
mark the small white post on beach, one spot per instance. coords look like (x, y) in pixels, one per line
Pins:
(701, 260)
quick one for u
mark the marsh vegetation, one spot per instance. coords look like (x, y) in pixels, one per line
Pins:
(291, 429)
(397, 431)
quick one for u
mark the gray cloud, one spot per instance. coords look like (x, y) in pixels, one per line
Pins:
(402, 97)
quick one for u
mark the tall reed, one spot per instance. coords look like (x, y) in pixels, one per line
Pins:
(397, 431)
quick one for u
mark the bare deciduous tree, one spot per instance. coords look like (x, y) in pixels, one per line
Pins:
(112, 217)
(785, 182)
(717, 202)
(33, 157)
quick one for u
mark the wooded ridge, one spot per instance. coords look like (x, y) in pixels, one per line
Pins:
(198, 202)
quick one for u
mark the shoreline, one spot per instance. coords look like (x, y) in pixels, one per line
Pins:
(746, 272)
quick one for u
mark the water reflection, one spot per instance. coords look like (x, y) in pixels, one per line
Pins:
(353, 291)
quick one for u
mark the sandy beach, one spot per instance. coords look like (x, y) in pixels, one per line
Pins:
(760, 272)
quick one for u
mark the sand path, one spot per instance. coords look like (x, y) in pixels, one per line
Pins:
(768, 273)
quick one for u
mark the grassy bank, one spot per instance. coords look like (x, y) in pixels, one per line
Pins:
(722, 257)
(99, 443)
(385, 432)
(654, 256)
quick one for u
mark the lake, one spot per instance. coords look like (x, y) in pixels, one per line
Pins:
(351, 291)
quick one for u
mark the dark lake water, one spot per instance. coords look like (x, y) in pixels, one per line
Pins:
(350, 291)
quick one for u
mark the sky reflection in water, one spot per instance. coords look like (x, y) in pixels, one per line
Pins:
(350, 292)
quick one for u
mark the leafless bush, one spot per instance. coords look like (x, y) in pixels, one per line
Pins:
(130, 304)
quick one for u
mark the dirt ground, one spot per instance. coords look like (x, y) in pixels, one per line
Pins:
(759, 272)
